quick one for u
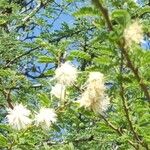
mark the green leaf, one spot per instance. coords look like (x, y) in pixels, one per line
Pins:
(3, 141)
(49, 72)
(70, 146)
(86, 11)
(144, 10)
(101, 60)
(44, 99)
(5, 73)
(79, 54)
(103, 128)
(121, 16)
(2, 21)
(46, 59)
(56, 127)
(5, 127)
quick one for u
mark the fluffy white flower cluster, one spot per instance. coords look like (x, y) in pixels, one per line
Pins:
(94, 96)
(59, 91)
(65, 75)
(133, 33)
(46, 116)
(19, 117)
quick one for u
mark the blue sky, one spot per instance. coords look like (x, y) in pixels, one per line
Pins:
(65, 17)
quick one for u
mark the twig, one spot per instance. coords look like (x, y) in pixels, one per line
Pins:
(136, 73)
(143, 86)
(18, 57)
(121, 46)
(104, 11)
(7, 95)
(125, 107)
(35, 10)
(111, 125)
(119, 132)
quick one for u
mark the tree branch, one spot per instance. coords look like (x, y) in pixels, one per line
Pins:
(8, 98)
(126, 110)
(125, 107)
(136, 73)
(35, 10)
(117, 130)
(143, 86)
(18, 57)
(104, 11)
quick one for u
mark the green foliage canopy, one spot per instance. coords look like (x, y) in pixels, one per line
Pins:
(32, 47)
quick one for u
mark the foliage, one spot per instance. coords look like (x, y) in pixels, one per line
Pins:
(36, 37)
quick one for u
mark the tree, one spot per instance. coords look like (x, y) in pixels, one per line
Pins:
(101, 101)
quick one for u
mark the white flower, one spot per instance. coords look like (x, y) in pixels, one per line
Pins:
(95, 82)
(94, 96)
(101, 104)
(59, 91)
(46, 116)
(85, 100)
(133, 33)
(18, 117)
(66, 74)
(95, 76)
